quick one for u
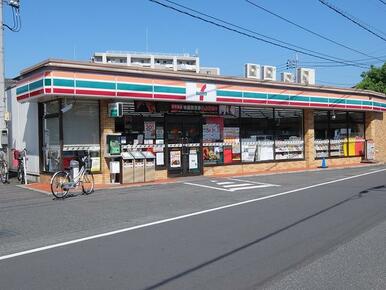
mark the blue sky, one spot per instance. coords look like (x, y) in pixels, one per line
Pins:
(76, 29)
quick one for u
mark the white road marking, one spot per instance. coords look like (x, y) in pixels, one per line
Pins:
(180, 217)
(225, 182)
(206, 186)
(250, 187)
(237, 185)
(254, 182)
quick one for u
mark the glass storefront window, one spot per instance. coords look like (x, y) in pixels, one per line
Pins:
(356, 133)
(339, 133)
(289, 134)
(81, 133)
(212, 137)
(51, 137)
(257, 133)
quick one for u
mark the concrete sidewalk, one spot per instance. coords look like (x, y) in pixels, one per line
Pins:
(46, 189)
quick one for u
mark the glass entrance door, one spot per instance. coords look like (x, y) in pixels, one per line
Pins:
(183, 134)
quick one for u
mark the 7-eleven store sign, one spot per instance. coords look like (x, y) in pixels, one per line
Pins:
(201, 92)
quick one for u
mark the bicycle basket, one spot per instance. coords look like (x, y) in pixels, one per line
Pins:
(88, 163)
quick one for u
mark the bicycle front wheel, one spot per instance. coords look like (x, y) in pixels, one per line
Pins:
(4, 173)
(58, 183)
(87, 182)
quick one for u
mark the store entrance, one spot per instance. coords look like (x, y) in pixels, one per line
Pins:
(183, 139)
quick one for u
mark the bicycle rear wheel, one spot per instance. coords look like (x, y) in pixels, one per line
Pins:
(58, 182)
(87, 182)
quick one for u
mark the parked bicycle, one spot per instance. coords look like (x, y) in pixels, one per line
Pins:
(63, 181)
(4, 174)
(21, 157)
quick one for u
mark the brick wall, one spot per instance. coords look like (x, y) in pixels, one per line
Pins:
(376, 130)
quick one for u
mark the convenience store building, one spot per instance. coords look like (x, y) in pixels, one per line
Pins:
(193, 124)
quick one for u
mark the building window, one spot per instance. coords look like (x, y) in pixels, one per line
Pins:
(81, 133)
(51, 152)
(339, 133)
(271, 134)
(289, 134)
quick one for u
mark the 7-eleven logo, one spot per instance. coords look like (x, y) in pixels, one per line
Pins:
(201, 92)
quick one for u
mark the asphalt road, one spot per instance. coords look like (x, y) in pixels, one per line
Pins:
(281, 232)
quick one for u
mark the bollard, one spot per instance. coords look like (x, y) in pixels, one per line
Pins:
(324, 163)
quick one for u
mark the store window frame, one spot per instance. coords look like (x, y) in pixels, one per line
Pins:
(240, 162)
(59, 115)
(347, 138)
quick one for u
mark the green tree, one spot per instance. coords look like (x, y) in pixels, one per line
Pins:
(374, 79)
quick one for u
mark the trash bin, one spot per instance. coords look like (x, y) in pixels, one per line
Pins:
(115, 171)
(127, 168)
(139, 166)
(149, 166)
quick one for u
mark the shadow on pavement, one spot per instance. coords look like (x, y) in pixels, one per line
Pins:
(227, 254)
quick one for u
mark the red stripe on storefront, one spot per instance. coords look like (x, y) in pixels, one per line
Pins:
(278, 103)
(172, 97)
(63, 91)
(353, 107)
(249, 101)
(228, 100)
(22, 97)
(367, 107)
(48, 91)
(35, 93)
(319, 105)
(299, 104)
(337, 106)
(134, 95)
(95, 93)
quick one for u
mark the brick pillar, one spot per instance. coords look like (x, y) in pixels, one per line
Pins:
(309, 137)
(375, 124)
(107, 126)
(370, 125)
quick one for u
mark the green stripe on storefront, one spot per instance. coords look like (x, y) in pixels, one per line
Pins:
(353, 102)
(318, 100)
(367, 103)
(170, 90)
(299, 99)
(47, 82)
(222, 93)
(278, 97)
(95, 85)
(250, 95)
(36, 85)
(22, 90)
(337, 101)
(64, 83)
(131, 87)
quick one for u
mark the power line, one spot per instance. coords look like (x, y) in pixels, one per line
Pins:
(310, 31)
(351, 18)
(382, 1)
(299, 49)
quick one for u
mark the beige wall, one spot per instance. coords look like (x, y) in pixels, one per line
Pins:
(376, 130)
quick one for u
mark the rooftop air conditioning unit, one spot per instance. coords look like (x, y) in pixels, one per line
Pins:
(306, 76)
(268, 73)
(287, 77)
(252, 71)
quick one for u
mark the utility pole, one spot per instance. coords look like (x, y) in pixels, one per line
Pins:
(293, 64)
(2, 77)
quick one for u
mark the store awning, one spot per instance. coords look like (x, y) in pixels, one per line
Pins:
(79, 84)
